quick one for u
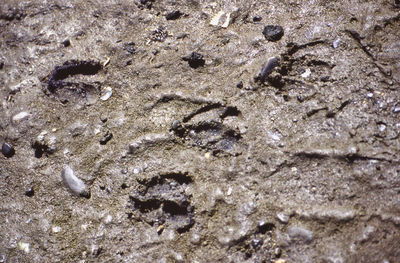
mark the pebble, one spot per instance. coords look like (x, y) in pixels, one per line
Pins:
(195, 60)
(336, 43)
(277, 252)
(283, 218)
(174, 15)
(24, 246)
(30, 192)
(324, 214)
(7, 150)
(268, 67)
(273, 32)
(76, 185)
(221, 19)
(56, 229)
(106, 93)
(300, 233)
(107, 136)
(256, 243)
(20, 116)
(396, 108)
(370, 95)
(66, 43)
(257, 18)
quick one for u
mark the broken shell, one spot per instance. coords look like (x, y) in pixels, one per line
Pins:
(106, 93)
(76, 185)
(221, 19)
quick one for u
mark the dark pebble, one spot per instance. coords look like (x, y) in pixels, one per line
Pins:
(300, 98)
(146, 3)
(103, 118)
(268, 68)
(30, 192)
(240, 85)
(130, 47)
(273, 33)
(108, 136)
(256, 243)
(7, 150)
(174, 15)
(1, 64)
(257, 19)
(66, 43)
(325, 78)
(195, 60)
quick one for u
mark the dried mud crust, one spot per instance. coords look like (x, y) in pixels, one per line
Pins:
(272, 138)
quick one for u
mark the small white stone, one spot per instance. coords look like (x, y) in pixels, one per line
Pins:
(106, 93)
(76, 185)
(221, 19)
(284, 218)
(336, 43)
(195, 239)
(20, 116)
(56, 229)
(300, 233)
(108, 219)
(24, 246)
(306, 74)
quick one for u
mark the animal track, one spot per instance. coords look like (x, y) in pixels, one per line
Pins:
(163, 200)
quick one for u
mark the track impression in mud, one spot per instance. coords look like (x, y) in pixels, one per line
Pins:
(205, 128)
(64, 90)
(162, 200)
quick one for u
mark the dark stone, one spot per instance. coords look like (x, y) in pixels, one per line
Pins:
(195, 60)
(273, 33)
(107, 136)
(30, 192)
(7, 150)
(300, 98)
(256, 243)
(147, 3)
(240, 85)
(268, 68)
(103, 118)
(264, 227)
(325, 78)
(66, 43)
(1, 64)
(257, 19)
(174, 15)
(130, 47)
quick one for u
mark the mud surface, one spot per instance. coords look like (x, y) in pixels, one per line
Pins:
(270, 136)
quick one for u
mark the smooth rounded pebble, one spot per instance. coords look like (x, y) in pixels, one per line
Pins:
(301, 234)
(76, 185)
(7, 150)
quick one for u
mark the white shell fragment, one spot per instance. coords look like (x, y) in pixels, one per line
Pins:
(221, 19)
(20, 116)
(106, 93)
(24, 246)
(306, 74)
(76, 185)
